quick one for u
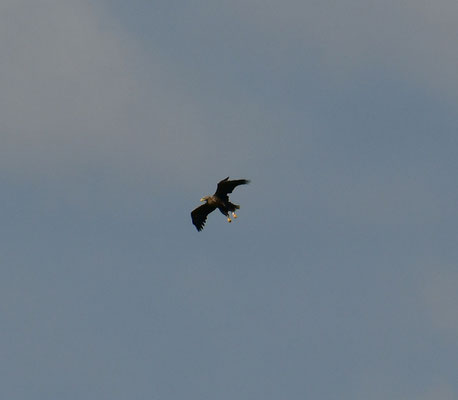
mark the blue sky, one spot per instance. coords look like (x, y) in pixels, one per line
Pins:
(337, 281)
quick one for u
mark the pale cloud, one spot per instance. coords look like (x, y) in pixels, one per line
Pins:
(441, 299)
(439, 391)
(415, 39)
(378, 387)
(63, 81)
(78, 94)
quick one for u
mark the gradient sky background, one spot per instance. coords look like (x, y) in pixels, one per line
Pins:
(339, 278)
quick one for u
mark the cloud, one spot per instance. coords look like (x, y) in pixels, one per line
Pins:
(78, 94)
(441, 299)
(383, 386)
(439, 391)
(63, 82)
(412, 38)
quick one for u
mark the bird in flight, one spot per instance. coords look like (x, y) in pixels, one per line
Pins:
(220, 201)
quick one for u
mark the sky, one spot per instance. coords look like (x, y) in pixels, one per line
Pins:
(339, 278)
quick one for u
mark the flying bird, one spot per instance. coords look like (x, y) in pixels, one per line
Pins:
(219, 200)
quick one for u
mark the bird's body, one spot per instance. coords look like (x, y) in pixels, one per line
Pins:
(219, 200)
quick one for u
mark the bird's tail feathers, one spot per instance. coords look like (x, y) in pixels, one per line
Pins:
(233, 207)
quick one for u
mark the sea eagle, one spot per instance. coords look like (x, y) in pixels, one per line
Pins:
(219, 200)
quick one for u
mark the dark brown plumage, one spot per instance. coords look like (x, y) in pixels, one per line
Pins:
(220, 201)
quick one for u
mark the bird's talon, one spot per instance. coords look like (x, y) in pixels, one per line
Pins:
(234, 215)
(229, 220)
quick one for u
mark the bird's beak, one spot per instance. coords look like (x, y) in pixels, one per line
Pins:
(202, 199)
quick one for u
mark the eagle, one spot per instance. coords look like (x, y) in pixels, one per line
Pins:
(219, 200)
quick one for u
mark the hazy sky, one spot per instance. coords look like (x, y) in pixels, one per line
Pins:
(339, 278)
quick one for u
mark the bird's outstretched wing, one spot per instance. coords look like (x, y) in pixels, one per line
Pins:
(199, 215)
(226, 186)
